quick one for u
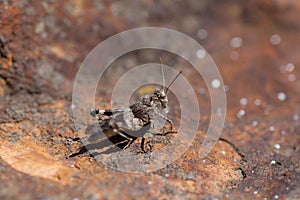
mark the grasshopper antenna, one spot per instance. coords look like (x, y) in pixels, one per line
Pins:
(163, 75)
(173, 81)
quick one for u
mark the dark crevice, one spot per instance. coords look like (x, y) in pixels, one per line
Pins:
(234, 147)
(3, 51)
(243, 172)
(239, 153)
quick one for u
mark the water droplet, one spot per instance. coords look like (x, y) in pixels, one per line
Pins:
(243, 101)
(201, 53)
(202, 90)
(236, 42)
(257, 102)
(234, 55)
(281, 96)
(202, 34)
(254, 123)
(292, 77)
(282, 69)
(277, 146)
(216, 83)
(240, 113)
(290, 67)
(272, 128)
(275, 39)
(296, 117)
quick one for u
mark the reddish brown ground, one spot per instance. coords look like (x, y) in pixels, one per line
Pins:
(42, 44)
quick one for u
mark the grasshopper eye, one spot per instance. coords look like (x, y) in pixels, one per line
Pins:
(158, 93)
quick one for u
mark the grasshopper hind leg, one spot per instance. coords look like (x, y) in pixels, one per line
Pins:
(130, 140)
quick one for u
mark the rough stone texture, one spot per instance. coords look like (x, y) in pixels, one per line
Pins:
(41, 46)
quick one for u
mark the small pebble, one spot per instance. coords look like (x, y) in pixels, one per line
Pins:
(167, 175)
(40, 27)
(276, 197)
(287, 188)
(223, 152)
(273, 162)
(277, 146)
(191, 176)
(255, 192)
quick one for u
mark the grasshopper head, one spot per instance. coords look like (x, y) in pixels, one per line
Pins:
(162, 97)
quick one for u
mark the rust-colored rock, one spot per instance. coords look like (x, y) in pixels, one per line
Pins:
(42, 44)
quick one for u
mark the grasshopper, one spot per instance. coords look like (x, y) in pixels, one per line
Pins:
(139, 119)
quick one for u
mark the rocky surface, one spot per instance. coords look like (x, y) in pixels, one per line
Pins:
(255, 45)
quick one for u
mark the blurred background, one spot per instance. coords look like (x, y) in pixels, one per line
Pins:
(255, 45)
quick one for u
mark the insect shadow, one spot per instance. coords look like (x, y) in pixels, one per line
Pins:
(99, 139)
